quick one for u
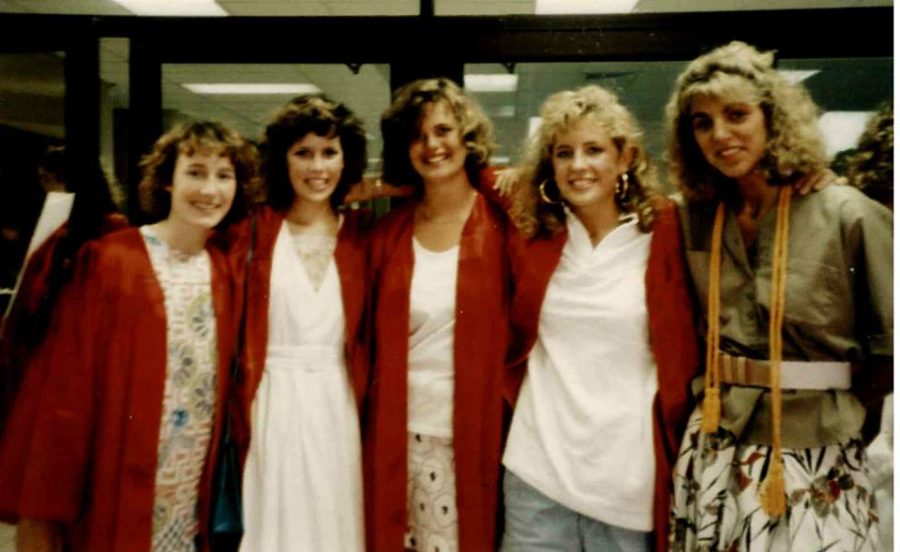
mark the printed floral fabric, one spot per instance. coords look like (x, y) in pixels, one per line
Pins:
(431, 495)
(189, 397)
(830, 504)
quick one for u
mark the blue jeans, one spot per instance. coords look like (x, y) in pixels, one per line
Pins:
(535, 523)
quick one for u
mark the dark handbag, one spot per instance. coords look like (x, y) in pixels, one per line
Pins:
(226, 522)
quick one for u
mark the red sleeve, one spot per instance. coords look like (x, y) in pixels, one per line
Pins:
(45, 448)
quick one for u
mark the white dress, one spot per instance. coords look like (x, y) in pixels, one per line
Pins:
(303, 478)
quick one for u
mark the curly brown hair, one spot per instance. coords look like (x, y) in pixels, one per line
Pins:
(323, 117)
(400, 125)
(871, 167)
(559, 112)
(740, 72)
(207, 137)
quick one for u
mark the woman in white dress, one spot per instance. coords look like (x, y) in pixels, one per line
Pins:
(298, 397)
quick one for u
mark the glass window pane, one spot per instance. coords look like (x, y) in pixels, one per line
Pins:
(366, 92)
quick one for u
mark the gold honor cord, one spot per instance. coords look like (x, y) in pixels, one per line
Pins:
(772, 490)
(712, 402)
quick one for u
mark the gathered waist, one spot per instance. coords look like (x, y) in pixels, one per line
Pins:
(288, 356)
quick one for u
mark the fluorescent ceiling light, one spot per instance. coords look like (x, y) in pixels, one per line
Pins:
(491, 83)
(172, 7)
(842, 129)
(794, 76)
(241, 89)
(500, 160)
(550, 7)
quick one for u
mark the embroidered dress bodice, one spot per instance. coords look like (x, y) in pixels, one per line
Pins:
(189, 396)
(316, 252)
(301, 312)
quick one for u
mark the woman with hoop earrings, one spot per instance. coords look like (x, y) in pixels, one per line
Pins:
(604, 342)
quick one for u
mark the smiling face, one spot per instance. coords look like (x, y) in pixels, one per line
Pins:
(586, 163)
(203, 189)
(731, 134)
(314, 166)
(438, 152)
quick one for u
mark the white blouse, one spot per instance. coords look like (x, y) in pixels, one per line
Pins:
(432, 320)
(582, 430)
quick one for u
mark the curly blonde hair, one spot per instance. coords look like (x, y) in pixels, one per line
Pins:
(535, 217)
(400, 125)
(871, 167)
(740, 72)
(206, 137)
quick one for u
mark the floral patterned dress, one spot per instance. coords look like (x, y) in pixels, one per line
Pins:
(189, 396)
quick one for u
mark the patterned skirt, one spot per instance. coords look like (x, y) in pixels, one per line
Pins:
(830, 503)
(431, 495)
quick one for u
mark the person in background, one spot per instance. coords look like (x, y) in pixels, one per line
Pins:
(604, 336)
(108, 444)
(49, 268)
(871, 169)
(301, 388)
(796, 308)
(433, 424)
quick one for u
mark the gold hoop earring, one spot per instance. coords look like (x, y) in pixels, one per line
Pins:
(622, 187)
(546, 198)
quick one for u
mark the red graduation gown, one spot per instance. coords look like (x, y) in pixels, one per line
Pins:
(81, 444)
(15, 347)
(350, 257)
(479, 349)
(672, 337)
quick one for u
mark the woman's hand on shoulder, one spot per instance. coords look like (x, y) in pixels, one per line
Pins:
(505, 181)
(818, 180)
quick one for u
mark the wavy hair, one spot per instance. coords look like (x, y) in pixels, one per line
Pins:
(871, 167)
(205, 137)
(559, 112)
(401, 121)
(323, 117)
(740, 72)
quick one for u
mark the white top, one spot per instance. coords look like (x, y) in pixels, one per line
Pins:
(582, 430)
(432, 319)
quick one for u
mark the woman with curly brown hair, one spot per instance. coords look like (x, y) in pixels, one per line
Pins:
(604, 337)
(433, 432)
(298, 427)
(108, 445)
(796, 296)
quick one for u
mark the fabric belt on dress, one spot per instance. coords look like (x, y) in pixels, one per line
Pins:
(287, 355)
(819, 375)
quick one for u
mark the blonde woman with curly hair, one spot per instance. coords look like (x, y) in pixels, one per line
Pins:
(796, 309)
(603, 349)
(433, 424)
(109, 443)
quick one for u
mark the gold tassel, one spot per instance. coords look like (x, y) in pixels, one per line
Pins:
(712, 410)
(771, 492)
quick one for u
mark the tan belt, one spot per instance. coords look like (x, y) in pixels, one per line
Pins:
(818, 375)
